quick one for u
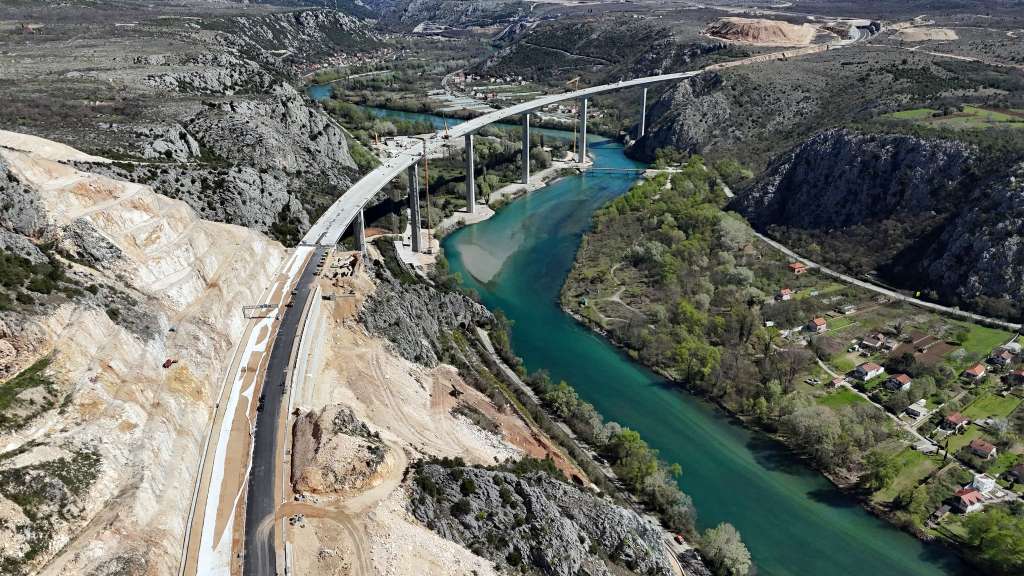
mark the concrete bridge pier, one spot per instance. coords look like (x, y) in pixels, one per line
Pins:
(414, 206)
(581, 143)
(470, 176)
(643, 115)
(360, 231)
(526, 148)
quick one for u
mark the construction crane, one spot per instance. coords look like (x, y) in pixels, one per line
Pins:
(576, 116)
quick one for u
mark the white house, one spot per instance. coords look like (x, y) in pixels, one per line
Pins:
(867, 371)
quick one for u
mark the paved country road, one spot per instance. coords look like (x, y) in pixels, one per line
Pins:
(949, 310)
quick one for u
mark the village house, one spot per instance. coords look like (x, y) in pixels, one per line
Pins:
(955, 422)
(899, 382)
(1001, 358)
(867, 371)
(818, 326)
(967, 500)
(1015, 378)
(798, 267)
(873, 342)
(847, 309)
(983, 483)
(837, 382)
(974, 373)
(940, 513)
(1016, 474)
(917, 409)
(982, 448)
(784, 294)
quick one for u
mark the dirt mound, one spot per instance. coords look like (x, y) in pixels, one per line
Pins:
(333, 452)
(925, 34)
(761, 32)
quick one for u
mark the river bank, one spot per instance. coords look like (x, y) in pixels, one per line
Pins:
(793, 520)
(846, 484)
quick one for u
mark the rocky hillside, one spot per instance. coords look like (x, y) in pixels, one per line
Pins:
(418, 318)
(202, 108)
(755, 113)
(601, 48)
(841, 178)
(102, 282)
(923, 212)
(534, 523)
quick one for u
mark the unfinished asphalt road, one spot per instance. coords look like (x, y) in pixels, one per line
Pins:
(260, 505)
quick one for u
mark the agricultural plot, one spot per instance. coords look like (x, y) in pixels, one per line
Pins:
(992, 406)
(969, 118)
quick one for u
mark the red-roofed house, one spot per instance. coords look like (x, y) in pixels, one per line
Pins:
(982, 448)
(975, 372)
(867, 371)
(798, 267)
(954, 422)
(818, 326)
(968, 500)
(898, 382)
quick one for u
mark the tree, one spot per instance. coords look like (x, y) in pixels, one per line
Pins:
(998, 539)
(725, 551)
(634, 461)
(880, 471)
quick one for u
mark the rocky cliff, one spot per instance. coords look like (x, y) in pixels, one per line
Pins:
(843, 178)
(923, 212)
(535, 523)
(101, 441)
(416, 317)
(201, 108)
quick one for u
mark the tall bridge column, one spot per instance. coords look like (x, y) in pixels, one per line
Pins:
(643, 115)
(581, 144)
(470, 176)
(526, 148)
(360, 231)
(414, 206)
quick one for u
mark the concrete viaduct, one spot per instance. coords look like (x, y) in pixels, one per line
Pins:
(348, 209)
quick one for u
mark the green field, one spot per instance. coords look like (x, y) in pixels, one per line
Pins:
(991, 405)
(958, 441)
(971, 118)
(915, 114)
(913, 468)
(981, 339)
(841, 397)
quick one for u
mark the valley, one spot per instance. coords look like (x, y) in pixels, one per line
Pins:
(502, 288)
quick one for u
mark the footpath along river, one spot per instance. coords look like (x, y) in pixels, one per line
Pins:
(794, 522)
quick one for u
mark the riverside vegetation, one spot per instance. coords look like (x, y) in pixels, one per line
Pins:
(432, 322)
(686, 288)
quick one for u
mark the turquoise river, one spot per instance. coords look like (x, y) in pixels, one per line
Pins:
(794, 522)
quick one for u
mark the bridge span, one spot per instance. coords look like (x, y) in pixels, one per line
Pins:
(327, 231)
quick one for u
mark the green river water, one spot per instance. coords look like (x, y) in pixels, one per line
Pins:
(794, 522)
